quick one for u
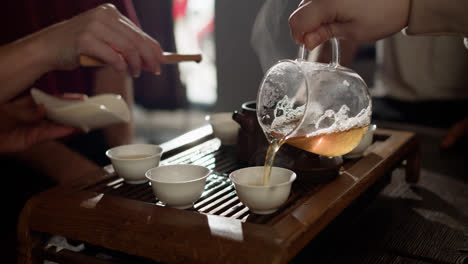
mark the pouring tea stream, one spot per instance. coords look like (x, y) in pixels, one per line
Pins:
(321, 108)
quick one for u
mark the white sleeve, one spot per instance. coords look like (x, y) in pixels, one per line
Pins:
(438, 17)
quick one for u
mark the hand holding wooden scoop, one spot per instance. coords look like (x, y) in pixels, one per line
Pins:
(87, 61)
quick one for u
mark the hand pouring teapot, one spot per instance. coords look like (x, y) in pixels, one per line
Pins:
(321, 108)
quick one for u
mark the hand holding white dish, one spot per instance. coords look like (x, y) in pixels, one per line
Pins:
(90, 113)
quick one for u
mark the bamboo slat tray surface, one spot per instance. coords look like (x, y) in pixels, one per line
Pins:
(105, 212)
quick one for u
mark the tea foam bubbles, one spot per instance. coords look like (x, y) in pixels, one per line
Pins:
(318, 121)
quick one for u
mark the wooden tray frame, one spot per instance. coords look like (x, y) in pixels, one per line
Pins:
(179, 236)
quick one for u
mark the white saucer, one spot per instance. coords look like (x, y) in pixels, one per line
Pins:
(88, 114)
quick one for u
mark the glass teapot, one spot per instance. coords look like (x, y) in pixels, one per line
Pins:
(321, 108)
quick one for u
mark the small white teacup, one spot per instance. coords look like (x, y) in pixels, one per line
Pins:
(259, 198)
(178, 186)
(132, 161)
(224, 127)
(366, 141)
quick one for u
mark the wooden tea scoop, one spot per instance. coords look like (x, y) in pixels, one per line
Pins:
(171, 58)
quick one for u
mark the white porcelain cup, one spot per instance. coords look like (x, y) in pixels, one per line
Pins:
(87, 114)
(224, 127)
(178, 186)
(366, 141)
(259, 198)
(132, 161)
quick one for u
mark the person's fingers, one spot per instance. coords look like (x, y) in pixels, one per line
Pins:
(130, 22)
(24, 136)
(41, 111)
(47, 130)
(150, 42)
(74, 96)
(315, 38)
(23, 102)
(29, 115)
(454, 133)
(159, 53)
(149, 49)
(42, 131)
(308, 18)
(124, 45)
(155, 43)
(138, 39)
(93, 47)
(24, 110)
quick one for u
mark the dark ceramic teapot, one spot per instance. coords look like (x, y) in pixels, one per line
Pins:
(251, 139)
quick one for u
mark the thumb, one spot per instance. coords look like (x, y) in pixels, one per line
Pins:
(317, 37)
(326, 32)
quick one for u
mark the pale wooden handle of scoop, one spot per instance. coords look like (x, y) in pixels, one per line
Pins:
(171, 58)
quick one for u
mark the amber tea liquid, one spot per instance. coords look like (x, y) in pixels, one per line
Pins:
(330, 144)
(270, 159)
(140, 156)
(326, 144)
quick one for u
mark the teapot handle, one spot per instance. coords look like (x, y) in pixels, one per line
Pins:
(335, 49)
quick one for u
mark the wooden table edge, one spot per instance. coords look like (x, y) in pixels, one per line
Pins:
(307, 220)
(284, 239)
(84, 204)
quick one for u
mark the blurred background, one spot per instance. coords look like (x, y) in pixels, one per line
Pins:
(226, 34)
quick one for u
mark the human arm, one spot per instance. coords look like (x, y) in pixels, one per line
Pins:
(62, 164)
(20, 66)
(52, 158)
(316, 21)
(22, 125)
(102, 33)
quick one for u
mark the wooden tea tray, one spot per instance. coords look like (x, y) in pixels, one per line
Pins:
(103, 212)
